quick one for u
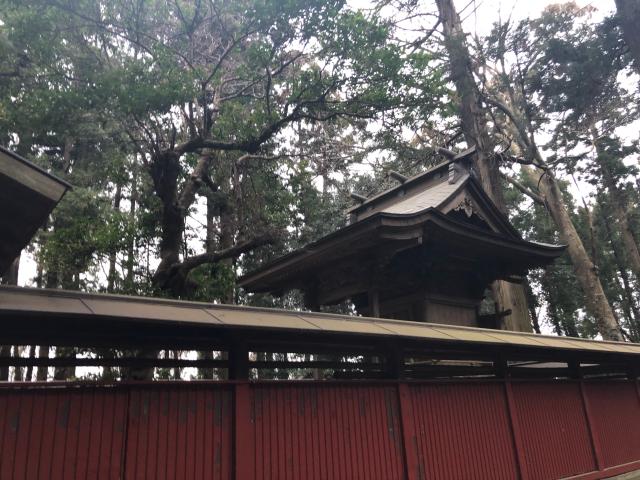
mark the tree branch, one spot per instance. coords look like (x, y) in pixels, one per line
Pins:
(509, 113)
(232, 252)
(534, 196)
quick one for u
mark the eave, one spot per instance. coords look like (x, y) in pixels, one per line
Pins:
(27, 195)
(283, 272)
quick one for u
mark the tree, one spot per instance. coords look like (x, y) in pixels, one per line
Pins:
(512, 94)
(629, 18)
(473, 115)
(230, 77)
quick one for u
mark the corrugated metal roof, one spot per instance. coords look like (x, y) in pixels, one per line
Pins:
(65, 303)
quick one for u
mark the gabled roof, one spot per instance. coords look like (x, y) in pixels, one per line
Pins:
(413, 182)
(27, 196)
(416, 208)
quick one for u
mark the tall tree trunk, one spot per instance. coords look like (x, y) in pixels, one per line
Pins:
(112, 275)
(507, 295)
(629, 16)
(17, 371)
(619, 209)
(177, 371)
(130, 279)
(206, 373)
(32, 354)
(586, 274)
(535, 321)
(629, 303)
(227, 231)
(164, 172)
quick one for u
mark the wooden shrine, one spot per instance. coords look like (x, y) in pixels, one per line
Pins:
(426, 250)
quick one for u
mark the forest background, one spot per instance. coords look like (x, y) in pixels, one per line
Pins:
(205, 137)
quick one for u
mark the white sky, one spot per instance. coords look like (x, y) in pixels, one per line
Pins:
(489, 11)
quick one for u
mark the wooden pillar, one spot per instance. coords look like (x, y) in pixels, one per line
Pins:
(238, 361)
(395, 363)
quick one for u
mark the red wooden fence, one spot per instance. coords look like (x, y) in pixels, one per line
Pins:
(321, 430)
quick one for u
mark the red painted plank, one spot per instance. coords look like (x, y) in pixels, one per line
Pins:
(36, 434)
(315, 430)
(10, 434)
(47, 442)
(326, 431)
(162, 440)
(616, 420)
(23, 436)
(244, 434)
(554, 429)
(463, 431)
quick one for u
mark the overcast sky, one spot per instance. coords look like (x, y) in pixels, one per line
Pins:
(481, 14)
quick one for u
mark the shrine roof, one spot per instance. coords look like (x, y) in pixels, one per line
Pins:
(414, 210)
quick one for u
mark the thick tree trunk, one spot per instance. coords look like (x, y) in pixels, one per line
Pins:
(507, 295)
(175, 206)
(629, 16)
(596, 302)
(164, 172)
